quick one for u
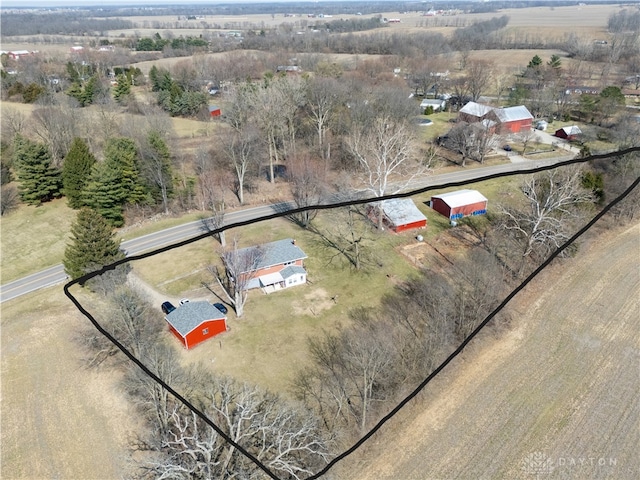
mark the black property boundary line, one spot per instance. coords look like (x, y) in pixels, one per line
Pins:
(433, 374)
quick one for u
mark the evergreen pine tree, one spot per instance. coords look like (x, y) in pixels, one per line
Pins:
(92, 244)
(89, 91)
(39, 180)
(154, 77)
(105, 192)
(122, 89)
(535, 62)
(123, 152)
(76, 171)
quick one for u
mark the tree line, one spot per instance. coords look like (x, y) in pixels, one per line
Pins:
(357, 372)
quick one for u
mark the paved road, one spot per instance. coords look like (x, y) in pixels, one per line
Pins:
(56, 275)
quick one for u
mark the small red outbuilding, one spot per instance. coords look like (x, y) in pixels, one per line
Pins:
(568, 133)
(214, 111)
(195, 322)
(460, 203)
(399, 214)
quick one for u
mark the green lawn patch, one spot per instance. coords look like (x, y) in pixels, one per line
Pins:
(34, 238)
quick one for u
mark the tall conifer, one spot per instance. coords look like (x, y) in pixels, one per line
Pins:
(39, 180)
(76, 171)
(92, 244)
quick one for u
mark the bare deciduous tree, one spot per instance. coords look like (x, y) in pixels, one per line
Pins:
(479, 75)
(323, 97)
(153, 401)
(287, 441)
(556, 202)
(386, 152)
(240, 148)
(350, 372)
(527, 136)
(13, 123)
(347, 238)
(57, 126)
(126, 316)
(460, 139)
(239, 269)
(307, 186)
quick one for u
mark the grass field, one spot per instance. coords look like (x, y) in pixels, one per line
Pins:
(34, 238)
(58, 420)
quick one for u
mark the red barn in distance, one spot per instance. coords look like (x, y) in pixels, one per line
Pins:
(502, 120)
(195, 322)
(460, 203)
(569, 133)
(214, 111)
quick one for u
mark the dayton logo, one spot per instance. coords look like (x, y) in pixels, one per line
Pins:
(537, 463)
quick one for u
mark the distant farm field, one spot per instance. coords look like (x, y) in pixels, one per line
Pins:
(575, 18)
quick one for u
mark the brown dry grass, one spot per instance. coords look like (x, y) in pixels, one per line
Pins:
(59, 420)
(562, 382)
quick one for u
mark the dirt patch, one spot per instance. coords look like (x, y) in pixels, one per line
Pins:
(314, 302)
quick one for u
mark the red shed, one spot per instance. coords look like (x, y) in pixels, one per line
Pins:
(195, 322)
(214, 111)
(458, 204)
(568, 133)
(399, 214)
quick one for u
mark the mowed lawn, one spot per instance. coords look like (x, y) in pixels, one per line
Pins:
(267, 345)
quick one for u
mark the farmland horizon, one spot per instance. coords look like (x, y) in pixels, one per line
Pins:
(6, 4)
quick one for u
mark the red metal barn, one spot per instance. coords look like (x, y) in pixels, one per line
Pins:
(513, 119)
(214, 111)
(399, 214)
(195, 322)
(458, 204)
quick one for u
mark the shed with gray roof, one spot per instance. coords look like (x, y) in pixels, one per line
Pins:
(194, 322)
(399, 214)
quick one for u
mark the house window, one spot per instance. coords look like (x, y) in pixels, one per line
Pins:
(205, 331)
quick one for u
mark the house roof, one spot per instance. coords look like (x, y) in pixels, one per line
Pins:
(292, 270)
(572, 130)
(187, 317)
(459, 198)
(512, 114)
(476, 109)
(270, 279)
(434, 102)
(275, 277)
(402, 211)
(274, 253)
